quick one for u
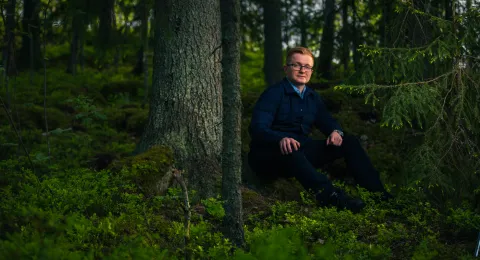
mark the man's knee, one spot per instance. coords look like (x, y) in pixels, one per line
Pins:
(294, 156)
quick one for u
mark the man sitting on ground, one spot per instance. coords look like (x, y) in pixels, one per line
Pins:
(283, 118)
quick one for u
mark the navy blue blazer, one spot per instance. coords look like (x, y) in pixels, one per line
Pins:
(280, 112)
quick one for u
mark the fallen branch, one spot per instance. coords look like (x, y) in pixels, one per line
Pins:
(16, 132)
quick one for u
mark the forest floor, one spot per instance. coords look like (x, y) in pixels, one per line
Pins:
(87, 198)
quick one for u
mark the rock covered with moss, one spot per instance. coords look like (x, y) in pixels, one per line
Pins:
(151, 171)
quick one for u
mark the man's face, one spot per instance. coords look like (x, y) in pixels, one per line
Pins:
(299, 76)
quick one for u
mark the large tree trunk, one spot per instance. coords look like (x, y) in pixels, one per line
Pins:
(186, 101)
(232, 118)
(326, 45)
(272, 18)
(30, 54)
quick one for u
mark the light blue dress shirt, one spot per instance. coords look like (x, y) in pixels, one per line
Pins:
(297, 90)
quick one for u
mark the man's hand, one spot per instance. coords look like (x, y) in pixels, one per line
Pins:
(335, 139)
(288, 145)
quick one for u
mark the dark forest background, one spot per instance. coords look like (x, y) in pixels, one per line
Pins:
(123, 128)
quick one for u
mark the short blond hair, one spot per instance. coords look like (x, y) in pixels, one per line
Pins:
(301, 50)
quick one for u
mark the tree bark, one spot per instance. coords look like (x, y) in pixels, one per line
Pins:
(326, 45)
(30, 54)
(273, 63)
(186, 99)
(232, 120)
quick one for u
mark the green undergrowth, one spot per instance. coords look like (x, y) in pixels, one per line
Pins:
(82, 195)
(84, 214)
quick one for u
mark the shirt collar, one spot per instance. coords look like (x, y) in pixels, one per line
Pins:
(293, 88)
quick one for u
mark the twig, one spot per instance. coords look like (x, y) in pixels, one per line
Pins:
(411, 83)
(16, 132)
(187, 213)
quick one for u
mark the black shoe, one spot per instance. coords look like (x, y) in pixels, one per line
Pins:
(340, 200)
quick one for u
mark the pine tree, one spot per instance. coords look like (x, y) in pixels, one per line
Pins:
(431, 87)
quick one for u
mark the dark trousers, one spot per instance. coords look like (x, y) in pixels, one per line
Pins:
(302, 164)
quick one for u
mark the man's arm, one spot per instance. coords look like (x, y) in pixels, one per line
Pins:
(263, 115)
(324, 120)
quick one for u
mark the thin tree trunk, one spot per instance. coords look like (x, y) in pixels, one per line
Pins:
(9, 39)
(145, 14)
(326, 45)
(30, 50)
(355, 37)
(32, 55)
(74, 45)
(286, 25)
(45, 77)
(272, 18)
(9, 48)
(81, 55)
(448, 10)
(469, 4)
(345, 37)
(186, 99)
(106, 23)
(303, 25)
(138, 69)
(117, 38)
(105, 29)
(387, 13)
(141, 65)
(420, 35)
(232, 120)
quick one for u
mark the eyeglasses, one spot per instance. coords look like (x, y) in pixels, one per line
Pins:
(298, 67)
